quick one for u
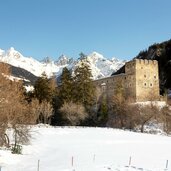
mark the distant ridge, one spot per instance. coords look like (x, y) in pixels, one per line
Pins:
(29, 68)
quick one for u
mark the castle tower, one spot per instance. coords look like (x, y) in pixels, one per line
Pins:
(145, 79)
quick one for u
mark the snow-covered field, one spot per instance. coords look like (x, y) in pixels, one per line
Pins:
(92, 149)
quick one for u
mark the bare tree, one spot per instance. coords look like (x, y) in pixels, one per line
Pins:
(74, 113)
(143, 114)
(125, 114)
(42, 112)
(118, 109)
(166, 118)
(93, 110)
(98, 94)
(5, 97)
(13, 108)
(19, 116)
(46, 111)
(34, 108)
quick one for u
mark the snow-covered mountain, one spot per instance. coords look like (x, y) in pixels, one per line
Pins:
(103, 67)
(64, 60)
(100, 66)
(16, 59)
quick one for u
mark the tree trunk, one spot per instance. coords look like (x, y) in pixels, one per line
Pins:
(7, 141)
(142, 127)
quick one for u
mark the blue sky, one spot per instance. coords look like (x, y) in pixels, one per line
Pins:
(119, 28)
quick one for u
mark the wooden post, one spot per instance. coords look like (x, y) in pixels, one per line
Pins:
(38, 164)
(167, 164)
(130, 159)
(72, 161)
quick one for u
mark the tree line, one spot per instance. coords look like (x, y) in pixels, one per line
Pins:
(77, 101)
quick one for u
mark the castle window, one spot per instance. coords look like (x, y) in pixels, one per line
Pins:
(151, 85)
(155, 77)
(145, 84)
(130, 85)
(125, 78)
(145, 76)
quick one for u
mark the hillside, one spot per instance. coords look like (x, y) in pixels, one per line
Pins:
(162, 53)
(22, 74)
(93, 149)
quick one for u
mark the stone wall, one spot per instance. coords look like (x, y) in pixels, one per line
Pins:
(140, 82)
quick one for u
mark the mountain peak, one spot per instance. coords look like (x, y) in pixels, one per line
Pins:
(63, 57)
(13, 53)
(46, 60)
(96, 54)
(11, 49)
(63, 60)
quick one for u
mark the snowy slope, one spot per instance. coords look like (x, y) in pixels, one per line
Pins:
(16, 59)
(93, 149)
(101, 67)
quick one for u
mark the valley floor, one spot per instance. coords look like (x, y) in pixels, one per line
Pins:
(90, 149)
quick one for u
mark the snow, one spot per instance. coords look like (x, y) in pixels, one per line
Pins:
(101, 66)
(12, 78)
(159, 104)
(92, 149)
(29, 88)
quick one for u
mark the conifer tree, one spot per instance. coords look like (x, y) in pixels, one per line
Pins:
(45, 89)
(83, 85)
(65, 93)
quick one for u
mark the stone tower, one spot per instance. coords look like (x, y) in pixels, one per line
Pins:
(142, 80)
